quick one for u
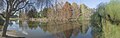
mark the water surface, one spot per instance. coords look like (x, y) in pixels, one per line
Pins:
(53, 29)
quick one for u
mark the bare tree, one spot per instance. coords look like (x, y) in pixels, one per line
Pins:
(12, 6)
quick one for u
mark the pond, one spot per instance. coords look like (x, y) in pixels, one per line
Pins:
(52, 29)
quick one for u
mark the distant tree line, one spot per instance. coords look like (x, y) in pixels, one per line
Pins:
(63, 12)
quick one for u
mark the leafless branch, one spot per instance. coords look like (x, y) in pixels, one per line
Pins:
(14, 2)
(15, 6)
(15, 10)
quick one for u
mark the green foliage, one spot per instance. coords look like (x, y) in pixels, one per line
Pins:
(111, 30)
(96, 18)
(33, 24)
(113, 9)
(107, 18)
(44, 12)
(32, 13)
(76, 10)
(85, 12)
(108, 11)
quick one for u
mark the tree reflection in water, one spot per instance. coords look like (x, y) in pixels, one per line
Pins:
(61, 29)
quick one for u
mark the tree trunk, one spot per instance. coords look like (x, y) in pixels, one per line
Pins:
(5, 26)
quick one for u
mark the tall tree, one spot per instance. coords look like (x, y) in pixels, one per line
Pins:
(76, 10)
(67, 8)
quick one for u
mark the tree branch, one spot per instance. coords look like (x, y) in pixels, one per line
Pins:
(21, 7)
(15, 10)
(14, 2)
(15, 6)
(2, 15)
(7, 6)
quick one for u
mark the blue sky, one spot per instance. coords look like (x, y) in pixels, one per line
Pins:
(89, 3)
